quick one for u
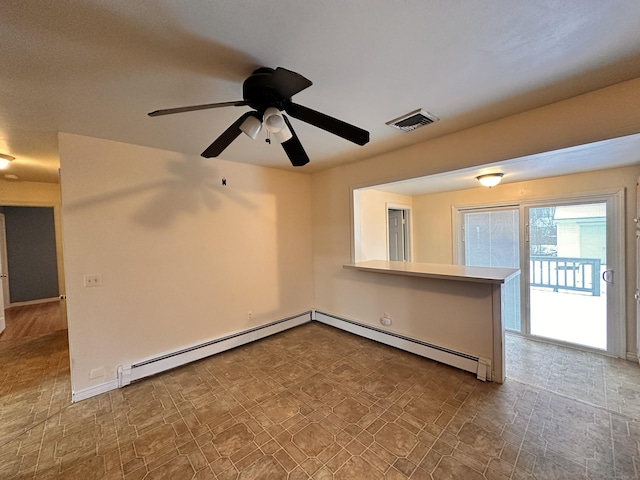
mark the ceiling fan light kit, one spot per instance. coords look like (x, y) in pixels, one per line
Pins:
(269, 93)
(251, 127)
(275, 124)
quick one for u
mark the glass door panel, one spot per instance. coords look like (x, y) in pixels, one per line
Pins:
(491, 239)
(567, 260)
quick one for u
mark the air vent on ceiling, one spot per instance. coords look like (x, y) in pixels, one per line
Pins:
(413, 120)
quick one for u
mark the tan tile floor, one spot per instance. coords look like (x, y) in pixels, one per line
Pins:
(310, 403)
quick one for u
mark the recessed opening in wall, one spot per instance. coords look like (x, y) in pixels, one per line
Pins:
(370, 213)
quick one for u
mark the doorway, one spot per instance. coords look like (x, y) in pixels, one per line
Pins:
(4, 291)
(571, 287)
(398, 235)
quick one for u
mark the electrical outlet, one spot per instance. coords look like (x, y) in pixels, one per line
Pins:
(92, 280)
(96, 373)
(249, 315)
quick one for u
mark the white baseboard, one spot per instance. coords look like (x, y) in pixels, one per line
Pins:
(632, 357)
(167, 361)
(463, 361)
(85, 393)
(33, 302)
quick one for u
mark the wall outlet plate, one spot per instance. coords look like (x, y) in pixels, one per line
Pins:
(92, 280)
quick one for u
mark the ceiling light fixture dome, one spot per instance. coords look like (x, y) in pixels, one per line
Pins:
(490, 179)
(5, 160)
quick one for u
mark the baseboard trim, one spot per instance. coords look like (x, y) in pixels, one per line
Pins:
(78, 395)
(463, 361)
(167, 361)
(33, 302)
(632, 357)
(170, 360)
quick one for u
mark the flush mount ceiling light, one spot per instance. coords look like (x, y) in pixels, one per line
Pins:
(5, 160)
(490, 179)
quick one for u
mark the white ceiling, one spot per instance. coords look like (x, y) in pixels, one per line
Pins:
(613, 153)
(96, 68)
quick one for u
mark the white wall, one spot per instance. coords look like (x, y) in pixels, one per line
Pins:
(365, 296)
(182, 258)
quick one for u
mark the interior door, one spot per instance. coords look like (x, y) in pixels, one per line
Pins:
(3, 271)
(637, 294)
(396, 235)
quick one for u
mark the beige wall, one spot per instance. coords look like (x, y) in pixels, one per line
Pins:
(371, 210)
(182, 258)
(433, 241)
(365, 296)
(29, 194)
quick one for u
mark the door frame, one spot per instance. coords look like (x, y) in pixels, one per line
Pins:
(4, 267)
(57, 219)
(615, 200)
(616, 292)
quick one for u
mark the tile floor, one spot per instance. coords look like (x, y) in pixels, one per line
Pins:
(315, 403)
(602, 381)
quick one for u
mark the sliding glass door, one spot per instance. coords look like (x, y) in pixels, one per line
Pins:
(569, 253)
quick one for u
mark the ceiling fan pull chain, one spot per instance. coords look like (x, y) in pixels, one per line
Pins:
(268, 139)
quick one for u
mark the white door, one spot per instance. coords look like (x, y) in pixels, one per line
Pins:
(3, 271)
(397, 235)
(575, 273)
(637, 295)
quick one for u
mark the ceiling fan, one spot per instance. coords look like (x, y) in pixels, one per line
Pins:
(269, 93)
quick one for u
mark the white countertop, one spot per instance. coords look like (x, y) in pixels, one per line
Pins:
(459, 273)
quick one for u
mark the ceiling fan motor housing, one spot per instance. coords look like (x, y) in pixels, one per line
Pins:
(256, 90)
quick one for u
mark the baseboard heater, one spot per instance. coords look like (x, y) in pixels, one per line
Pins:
(477, 365)
(161, 363)
(152, 366)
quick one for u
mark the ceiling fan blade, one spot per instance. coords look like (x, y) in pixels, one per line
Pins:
(294, 149)
(330, 124)
(228, 136)
(287, 83)
(192, 108)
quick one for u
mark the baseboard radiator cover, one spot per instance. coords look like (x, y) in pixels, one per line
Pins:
(161, 363)
(477, 365)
